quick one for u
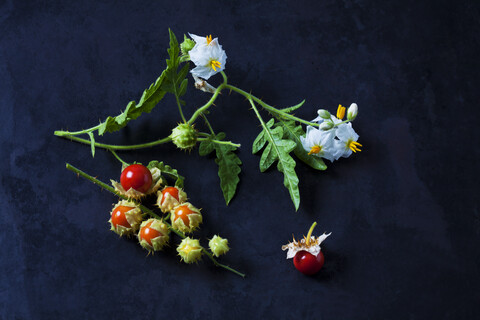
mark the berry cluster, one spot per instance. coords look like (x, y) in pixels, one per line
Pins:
(127, 218)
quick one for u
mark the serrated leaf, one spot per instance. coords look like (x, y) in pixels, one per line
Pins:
(294, 132)
(166, 169)
(92, 143)
(169, 81)
(278, 149)
(206, 147)
(228, 164)
(259, 142)
(293, 108)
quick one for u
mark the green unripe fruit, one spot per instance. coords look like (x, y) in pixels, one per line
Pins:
(184, 136)
(186, 45)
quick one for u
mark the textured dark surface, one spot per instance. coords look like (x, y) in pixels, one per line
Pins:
(403, 213)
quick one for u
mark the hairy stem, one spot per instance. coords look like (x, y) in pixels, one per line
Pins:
(221, 142)
(118, 147)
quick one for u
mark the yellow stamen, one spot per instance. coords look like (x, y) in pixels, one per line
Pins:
(214, 64)
(209, 39)
(354, 146)
(341, 112)
(315, 149)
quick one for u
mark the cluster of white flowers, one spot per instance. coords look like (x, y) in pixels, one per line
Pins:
(208, 56)
(334, 138)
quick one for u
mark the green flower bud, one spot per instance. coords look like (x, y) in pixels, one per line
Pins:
(125, 218)
(190, 250)
(186, 45)
(218, 246)
(186, 217)
(184, 136)
(153, 234)
(326, 125)
(352, 112)
(324, 114)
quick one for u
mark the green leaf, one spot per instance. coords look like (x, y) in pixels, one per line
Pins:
(167, 170)
(175, 81)
(293, 132)
(92, 143)
(227, 161)
(169, 81)
(293, 108)
(278, 149)
(261, 139)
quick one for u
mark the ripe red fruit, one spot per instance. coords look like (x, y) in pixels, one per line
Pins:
(170, 190)
(119, 218)
(307, 263)
(136, 176)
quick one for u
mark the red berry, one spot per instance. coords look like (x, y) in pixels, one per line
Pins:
(137, 177)
(307, 263)
(170, 190)
(147, 233)
(119, 218)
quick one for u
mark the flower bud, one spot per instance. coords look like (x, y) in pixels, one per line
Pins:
(352, 112)
(153, 234)
(326, 125)
(190, 250)
(184, 136)
(170, 197)
(186, 217)
(324, 114)
(125, 218)
(218, 246)
(186, 45)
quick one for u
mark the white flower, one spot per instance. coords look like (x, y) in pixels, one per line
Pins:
(347, 142)
(313, 246)
(319, 143)
(208, 56)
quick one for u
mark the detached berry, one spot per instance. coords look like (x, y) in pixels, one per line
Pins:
(125, 218)
(218, 246)
(190, 250)
(186, 218)
(153, 235)
(169, 198)
(306, 253)
(184, 136)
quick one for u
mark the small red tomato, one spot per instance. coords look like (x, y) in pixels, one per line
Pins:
(118, 216)
(147, 233)
(183, 212)
(307, 263)
(137, 177)
(170, 190)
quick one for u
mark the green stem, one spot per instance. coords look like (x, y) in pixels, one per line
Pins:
(61, 133)
(206, 105)
(237, 145)
(145, 210)
(208, 123)
(119, 147)
(118, 158)
(269, 107)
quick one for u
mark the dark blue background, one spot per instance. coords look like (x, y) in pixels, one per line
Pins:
(404, 219)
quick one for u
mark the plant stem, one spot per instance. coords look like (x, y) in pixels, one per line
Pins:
(206, 105)
(309, 235)
(61, 133)
(208, 124)
(237, 145)
(145, 210)
(118, 158)
(118, 147)
(269, 107)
